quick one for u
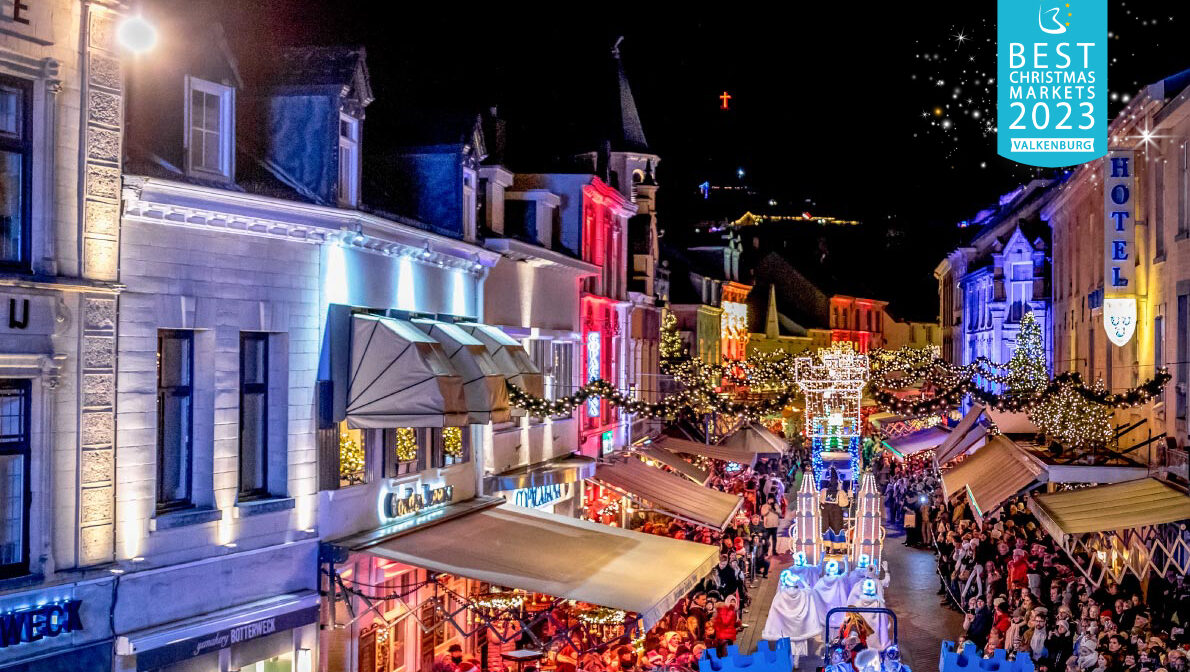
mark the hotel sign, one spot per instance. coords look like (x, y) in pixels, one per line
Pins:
(395, 505)
(1119, 246)
(30, 624)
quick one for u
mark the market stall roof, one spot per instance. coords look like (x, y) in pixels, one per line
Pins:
(752, 438)
(565, 557)
(676, 445)
(675, 462)
(483, 382)
(961, 438)
(1117, 506)
(569, 469)
(669, 493)
(400, 377)
(998, 471)
(510, 357)
(884, 418)
(911, 444)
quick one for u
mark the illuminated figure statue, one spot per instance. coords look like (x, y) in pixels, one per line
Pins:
(793, 614)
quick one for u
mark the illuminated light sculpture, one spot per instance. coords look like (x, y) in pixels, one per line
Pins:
(867, 542)
(807, 529)
(833, 382)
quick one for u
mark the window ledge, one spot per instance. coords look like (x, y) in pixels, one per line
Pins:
(256, 507)
(1159, 258)
(184, 518)
(23, 581)
(1182, 235)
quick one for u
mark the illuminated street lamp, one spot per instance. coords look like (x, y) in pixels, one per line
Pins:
(137, 35)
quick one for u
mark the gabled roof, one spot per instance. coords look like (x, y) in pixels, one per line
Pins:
(342, 67)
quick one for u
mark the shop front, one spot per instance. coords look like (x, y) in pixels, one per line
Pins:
(554, 486)
(277, 634)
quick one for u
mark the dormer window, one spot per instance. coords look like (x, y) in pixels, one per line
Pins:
(349, 157)
(210, 128)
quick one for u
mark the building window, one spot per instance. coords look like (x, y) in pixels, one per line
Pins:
(254, 415)
(175, 418)
(353, 456)
(563, 369)
(210, 128)
(1184, 190)
(349, 158)
(15, 171)
(1159, 209)
(15, 396)
(594, 369)
(469, 205)
(1182, 375)
(402, 451)
(451, 446)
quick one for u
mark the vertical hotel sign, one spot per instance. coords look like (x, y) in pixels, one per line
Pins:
(1051, 87)
(1119, 246)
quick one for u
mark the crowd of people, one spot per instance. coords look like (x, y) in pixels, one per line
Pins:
(1019, 592)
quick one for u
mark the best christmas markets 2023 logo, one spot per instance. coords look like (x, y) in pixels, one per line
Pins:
(1051, 81)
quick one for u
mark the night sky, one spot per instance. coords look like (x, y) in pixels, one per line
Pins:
(837, 103)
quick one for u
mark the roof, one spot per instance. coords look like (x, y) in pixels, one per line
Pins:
(626, 134)
(1117, 506)
(337, 66)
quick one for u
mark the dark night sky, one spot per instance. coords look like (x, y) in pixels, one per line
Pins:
(828, 100)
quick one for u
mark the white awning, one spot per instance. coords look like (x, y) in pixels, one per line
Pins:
(669, 493)
(911, 444)
(676, 445)
(989, 477)
(510, 357)
(565, 557)
(961, 438)
(684, 467)
(400, 377)
(1104, 508)
(568, 469)
(752, 438)
(483, 383)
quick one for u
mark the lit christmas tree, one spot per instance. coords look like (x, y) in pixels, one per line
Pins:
(1073, 421)
(671, 347)
(1026, 369)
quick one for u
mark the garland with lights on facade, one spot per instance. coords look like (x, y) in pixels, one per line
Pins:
(452, 441)
(406, 447)
(685, 403)
(1022, 402)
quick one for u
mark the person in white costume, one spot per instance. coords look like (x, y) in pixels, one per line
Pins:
(866, 597)
(831, 589)
(808, 573)
(866, 570)
(793, 614)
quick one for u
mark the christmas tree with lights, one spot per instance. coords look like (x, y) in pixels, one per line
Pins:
(671, 348)
(1026, 369)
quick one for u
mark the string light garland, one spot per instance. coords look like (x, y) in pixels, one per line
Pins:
(452, 441)
(406, 444)
(686, 403)
(351, 459)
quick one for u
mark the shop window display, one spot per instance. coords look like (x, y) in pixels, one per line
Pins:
(352, 456)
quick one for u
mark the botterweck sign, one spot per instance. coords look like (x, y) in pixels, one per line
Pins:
(1119, 245)
(222, 639)
(30, 624)
(1051, 81)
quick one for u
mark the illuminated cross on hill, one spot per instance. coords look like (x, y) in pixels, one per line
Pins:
(725, 97)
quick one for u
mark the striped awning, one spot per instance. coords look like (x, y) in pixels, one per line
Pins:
(965, 435)
(1116, 506)
(400, 377)
(483, 382)
(669, 493)
(995, 473)
(510, 357)
(676, 445)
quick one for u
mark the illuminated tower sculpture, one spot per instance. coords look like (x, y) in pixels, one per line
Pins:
(868, 531)
(833, 383)
(807, 529)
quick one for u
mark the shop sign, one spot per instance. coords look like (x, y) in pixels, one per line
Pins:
(395, 505)
(30, 624)
(1119, 246)
(542, 495)
(27, 314)
(222, 639)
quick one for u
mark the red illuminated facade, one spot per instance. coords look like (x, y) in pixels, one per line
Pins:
(857, 321)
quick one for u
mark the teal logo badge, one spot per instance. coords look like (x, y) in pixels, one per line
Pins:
(1051, 81)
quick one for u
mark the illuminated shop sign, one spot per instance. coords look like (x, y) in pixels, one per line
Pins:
(396, 505)
(544, 495)
(1119, 246)
(30, 624)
